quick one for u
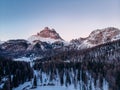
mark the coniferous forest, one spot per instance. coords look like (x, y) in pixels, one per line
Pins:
(83, 69)
(96, 68)
(14, 73)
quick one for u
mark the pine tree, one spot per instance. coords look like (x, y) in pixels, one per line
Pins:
(10, 81)
(41, 78)
(61, 78)
(35, 82)
(78, 75)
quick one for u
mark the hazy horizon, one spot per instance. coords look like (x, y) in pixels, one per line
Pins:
(70, 18)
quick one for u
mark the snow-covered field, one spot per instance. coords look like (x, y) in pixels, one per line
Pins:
(55, 88)
(27, 86)
(26, 59)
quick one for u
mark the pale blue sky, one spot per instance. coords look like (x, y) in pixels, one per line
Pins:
(70, 18)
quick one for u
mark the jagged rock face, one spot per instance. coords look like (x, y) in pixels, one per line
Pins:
(46, 35)
(49, 33)
(97, 37)
(104, 35)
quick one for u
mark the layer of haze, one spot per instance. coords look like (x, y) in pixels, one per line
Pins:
(70, 18)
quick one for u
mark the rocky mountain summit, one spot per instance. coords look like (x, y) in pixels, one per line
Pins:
(97, 37)
(46, 35)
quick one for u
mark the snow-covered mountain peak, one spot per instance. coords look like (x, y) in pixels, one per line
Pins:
(101, 36)
(97, 37)
(105, 31)
(46, 35)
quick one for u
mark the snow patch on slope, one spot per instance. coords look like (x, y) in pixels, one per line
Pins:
(26, 59)
(116, 37)
(85, 44)
(25, 86)
(48, 40)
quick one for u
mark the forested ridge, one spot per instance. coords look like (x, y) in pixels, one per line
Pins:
(101, 62)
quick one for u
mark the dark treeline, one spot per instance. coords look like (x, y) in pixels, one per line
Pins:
(14, 73)
(102, 60)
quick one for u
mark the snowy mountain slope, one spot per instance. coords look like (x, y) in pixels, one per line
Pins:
(1, 42)
(97, 37)
(39, 45)
(48, 40)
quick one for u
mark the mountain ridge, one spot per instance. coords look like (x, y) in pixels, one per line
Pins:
(42, 47)
(97, 37)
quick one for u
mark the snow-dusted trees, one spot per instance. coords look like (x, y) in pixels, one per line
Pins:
(61, 74)
(68, 79)
(14, 72)
(35, 82)
(86, 67)
(79, 74)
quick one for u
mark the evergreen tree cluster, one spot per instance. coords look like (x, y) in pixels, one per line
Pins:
(15, 73)
(70, 73)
